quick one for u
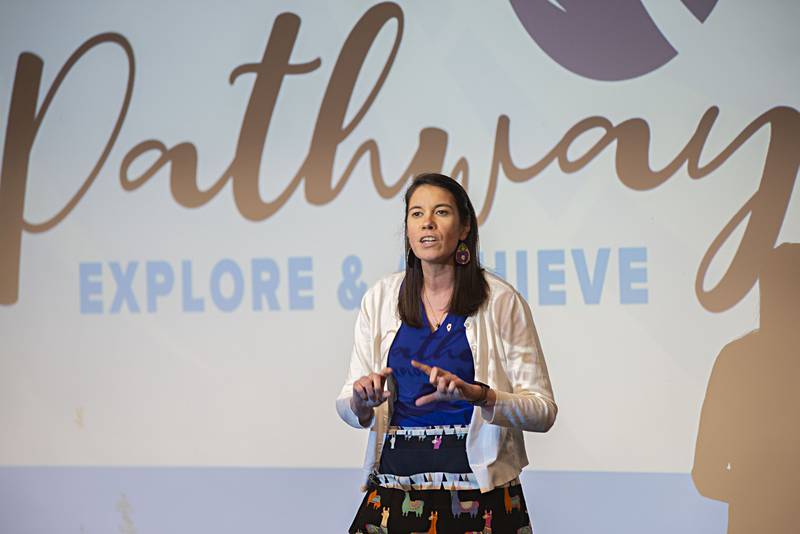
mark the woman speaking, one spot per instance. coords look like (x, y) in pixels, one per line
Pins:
(446, 372)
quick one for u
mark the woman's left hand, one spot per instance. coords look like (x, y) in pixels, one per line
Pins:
(448, 386)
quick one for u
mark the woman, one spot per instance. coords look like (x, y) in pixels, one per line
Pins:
(446, 372)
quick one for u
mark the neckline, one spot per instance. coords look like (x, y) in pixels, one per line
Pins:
(427, 321)
(425, 299)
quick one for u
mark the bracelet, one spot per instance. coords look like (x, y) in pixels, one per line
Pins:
(482, 400)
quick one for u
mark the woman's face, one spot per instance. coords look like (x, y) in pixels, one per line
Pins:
(433, 225)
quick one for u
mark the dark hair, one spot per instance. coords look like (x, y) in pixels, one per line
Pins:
(470, 289)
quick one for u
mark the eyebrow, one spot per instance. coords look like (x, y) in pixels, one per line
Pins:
(436, 206)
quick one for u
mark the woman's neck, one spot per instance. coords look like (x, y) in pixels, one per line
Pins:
(438, 278)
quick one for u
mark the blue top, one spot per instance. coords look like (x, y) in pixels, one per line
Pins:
(446, 348)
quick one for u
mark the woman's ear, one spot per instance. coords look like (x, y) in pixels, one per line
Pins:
(464, 232)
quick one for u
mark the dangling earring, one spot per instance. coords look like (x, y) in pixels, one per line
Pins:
(462, 254)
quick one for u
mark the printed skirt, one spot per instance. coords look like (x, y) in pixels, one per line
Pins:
(389, 510)
(424, 485)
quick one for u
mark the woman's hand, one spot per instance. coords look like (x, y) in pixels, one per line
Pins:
(369, 392)
(449, 387)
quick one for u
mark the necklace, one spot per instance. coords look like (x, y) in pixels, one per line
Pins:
(438, 321)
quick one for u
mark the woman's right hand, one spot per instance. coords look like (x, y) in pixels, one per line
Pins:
(368, 392)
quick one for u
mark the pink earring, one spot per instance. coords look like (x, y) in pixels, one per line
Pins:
(462, 254)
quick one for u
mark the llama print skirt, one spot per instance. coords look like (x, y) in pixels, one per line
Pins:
(395, 511)
(425, 485)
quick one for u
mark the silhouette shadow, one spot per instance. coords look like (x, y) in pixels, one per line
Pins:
(748, 443)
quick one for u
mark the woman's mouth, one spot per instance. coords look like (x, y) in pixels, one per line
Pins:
(428, 241)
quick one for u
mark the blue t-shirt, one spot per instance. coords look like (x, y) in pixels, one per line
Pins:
(446, 348)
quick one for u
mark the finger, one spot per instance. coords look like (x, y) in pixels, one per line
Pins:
(369, 389)
(386, 395)
(434, 375)
(421, 366)
(428, 369)
(452, 387)
(385, 373)
(425, 399)
(358, 389)
(441, 385)
(376, 380)
(377, 386)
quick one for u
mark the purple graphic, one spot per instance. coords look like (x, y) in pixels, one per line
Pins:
(701, 9)
(607, 40)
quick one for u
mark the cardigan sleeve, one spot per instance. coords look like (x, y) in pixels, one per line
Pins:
(360, 365)
(530, 404)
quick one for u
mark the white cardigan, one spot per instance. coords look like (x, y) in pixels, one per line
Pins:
(507, 356)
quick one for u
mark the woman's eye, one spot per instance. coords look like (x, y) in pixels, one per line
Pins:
(442, 212)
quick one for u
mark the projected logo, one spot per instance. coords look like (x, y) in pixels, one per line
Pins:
(608, 40)
(624, 49)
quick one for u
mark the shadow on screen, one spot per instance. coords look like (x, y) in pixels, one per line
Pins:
(748, 444)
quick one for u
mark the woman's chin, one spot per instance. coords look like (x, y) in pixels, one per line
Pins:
(437, 260)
